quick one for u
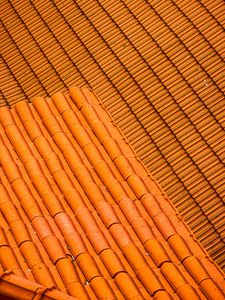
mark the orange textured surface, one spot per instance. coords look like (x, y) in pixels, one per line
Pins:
(158, 67)
(80, 215)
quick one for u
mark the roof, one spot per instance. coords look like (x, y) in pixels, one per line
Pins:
(80, 215)
(158, 68)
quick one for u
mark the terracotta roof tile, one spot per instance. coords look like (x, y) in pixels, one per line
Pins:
(72, 218)
(158, 68)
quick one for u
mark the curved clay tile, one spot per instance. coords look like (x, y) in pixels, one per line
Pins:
(158, 68)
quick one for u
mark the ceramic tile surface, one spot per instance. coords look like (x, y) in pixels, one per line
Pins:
(80, 216)
(158, 67)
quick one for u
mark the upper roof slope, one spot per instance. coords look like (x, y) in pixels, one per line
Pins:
(158, 66)
(79, 213)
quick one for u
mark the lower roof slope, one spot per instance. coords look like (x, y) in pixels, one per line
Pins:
(158, 66)
(80, 215)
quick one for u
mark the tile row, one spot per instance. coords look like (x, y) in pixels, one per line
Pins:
(12, 285)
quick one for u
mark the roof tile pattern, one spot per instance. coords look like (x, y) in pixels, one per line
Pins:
(159, 69)
(80, 214)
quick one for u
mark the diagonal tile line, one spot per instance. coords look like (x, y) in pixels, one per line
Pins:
(15, 285)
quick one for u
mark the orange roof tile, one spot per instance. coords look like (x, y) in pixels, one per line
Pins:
(80, 215)
(158, 68)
